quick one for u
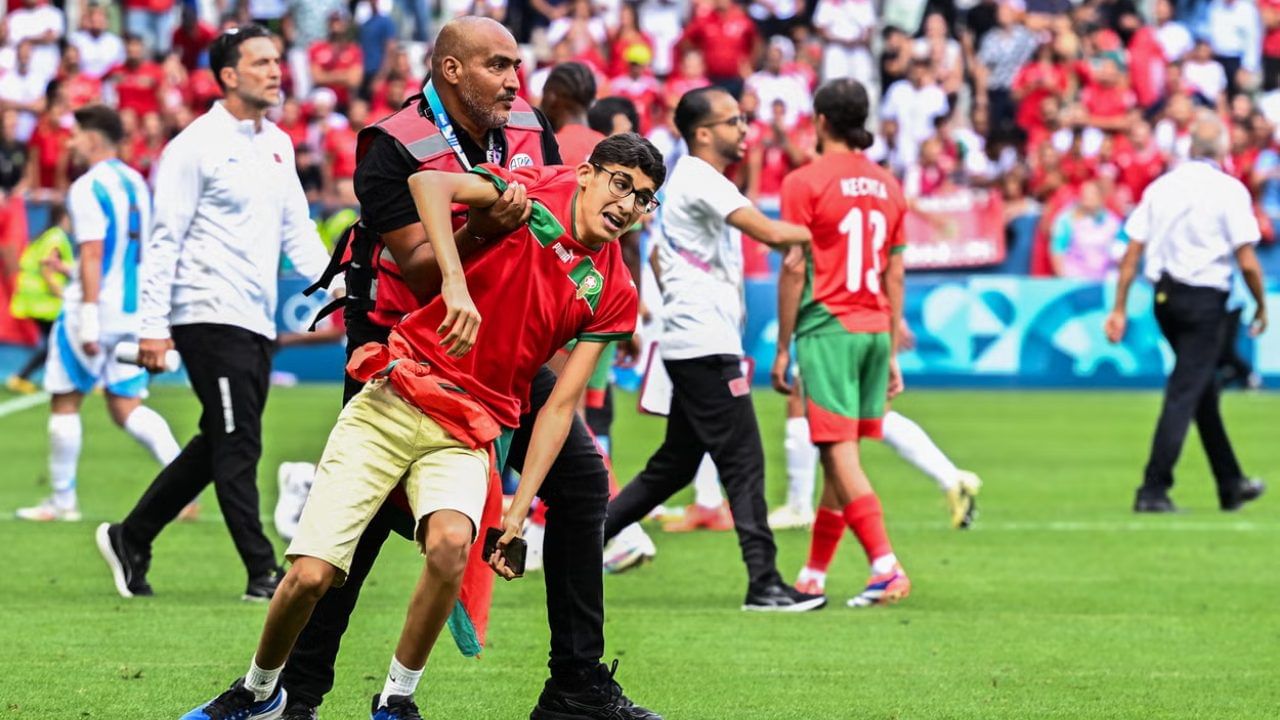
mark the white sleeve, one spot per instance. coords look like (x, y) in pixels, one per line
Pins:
(889, 107)
(301, 240)
(178, 183)
(1138, 227)
(720, 196)
(88, 222)
(1240, 223)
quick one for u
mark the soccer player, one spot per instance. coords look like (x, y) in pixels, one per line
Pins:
(844, 319)
(700, 259)
(436, 415)
(110, 209)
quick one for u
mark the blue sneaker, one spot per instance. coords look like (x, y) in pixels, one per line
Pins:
(398, 707)
(238, 703)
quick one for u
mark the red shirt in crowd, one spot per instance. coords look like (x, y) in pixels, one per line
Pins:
(340, 149)
(576, 143)
(644, 92)
(297, 131)
(81, 89)
(1037, 81)
(143, 155)
(201, 90)
(1107, 102)
(1271, 38)
(726, 38)
(617, 60)
(155, 6)
(677, 86)
(1138, 167)
(49, 146)
(138, 88)
(337, 58)
(189, 45)
(1146, 66)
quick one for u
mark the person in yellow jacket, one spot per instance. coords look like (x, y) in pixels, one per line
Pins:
(43, 270)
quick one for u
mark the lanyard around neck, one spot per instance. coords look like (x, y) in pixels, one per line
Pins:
(445, 125)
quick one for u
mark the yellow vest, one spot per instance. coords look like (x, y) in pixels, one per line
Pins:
(32, 297)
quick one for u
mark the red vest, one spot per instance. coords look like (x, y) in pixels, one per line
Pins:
(419, 135)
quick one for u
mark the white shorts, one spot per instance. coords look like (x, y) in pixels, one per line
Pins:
(69, 370)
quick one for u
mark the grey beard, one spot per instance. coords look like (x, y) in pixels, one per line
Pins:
(482, 113)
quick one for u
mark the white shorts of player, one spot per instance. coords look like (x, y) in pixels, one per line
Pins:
(69, 369)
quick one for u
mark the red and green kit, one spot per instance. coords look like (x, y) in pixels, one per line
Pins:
(856, 212)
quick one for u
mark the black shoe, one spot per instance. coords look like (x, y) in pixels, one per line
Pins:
(263, 587)
(238, 703)
(299, 711)
(398, 707)
(128, 565)
(1154, 504)
(781, 597)
(1247, 490)
(600, 699)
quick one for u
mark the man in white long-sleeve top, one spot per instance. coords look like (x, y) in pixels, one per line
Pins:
(228, 204)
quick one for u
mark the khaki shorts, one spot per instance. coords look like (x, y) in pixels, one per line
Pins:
(378, 441)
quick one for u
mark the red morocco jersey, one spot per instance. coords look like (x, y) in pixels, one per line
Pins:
(856, 212)
(536, 290)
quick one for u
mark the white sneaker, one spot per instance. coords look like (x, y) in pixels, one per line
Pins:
(533, 535)
(629, 549)
(47, 511)
(789, 517)
(293, 479)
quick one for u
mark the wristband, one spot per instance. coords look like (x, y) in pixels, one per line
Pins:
(90, 327)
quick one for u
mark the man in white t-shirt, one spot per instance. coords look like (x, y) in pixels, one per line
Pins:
(846, 27)
(100, 49)
(22, 89)
(1190, 223)
(44, 25)
(910, 107)
(699, 254)
(770, 84)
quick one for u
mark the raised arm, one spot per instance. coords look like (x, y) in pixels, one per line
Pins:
(774, 233)
(434, 194)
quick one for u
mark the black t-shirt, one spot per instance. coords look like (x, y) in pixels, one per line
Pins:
(381, 179)
(13, 164)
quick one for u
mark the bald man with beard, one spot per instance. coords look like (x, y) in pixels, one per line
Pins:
(474, 81)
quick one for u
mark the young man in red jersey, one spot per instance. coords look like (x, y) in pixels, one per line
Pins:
(433, 414)
(844, 316)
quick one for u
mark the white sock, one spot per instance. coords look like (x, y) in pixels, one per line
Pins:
(706, 485)
(809, 574)
(400, 681)
(884, 564)
(261, 682)
(802, 461)
(915, 446)
(65, 438)
(152, 432)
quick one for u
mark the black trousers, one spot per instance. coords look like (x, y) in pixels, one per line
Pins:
(1232, 367)
(230, 370)
(1193, 320)
(576, 492)
(711, 412)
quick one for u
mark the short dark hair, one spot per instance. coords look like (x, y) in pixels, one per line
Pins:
(631, 150)
(225, 50)
(601, 113)
(693, 109)
(574, 81)
(102, 120)
(843, 102)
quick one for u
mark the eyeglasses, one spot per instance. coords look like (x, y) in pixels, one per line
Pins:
(620, 186)
(740, 120)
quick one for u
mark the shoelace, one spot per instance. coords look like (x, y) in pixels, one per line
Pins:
(231, 704)
(616, 697)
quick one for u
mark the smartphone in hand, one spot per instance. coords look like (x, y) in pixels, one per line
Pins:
(514, 552)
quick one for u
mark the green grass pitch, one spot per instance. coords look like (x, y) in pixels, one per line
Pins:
(1059, 604)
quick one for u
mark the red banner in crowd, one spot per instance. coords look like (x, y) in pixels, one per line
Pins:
(963, 228)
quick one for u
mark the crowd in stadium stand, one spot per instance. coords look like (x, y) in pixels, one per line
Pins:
(1067, 110)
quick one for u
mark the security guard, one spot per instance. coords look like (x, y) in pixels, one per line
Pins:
(1188, 226)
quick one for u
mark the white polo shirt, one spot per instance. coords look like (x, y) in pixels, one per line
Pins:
(700, 261)
(1192, 219)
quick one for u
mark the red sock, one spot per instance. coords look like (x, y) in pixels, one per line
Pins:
(866, 519)
(828, 528)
